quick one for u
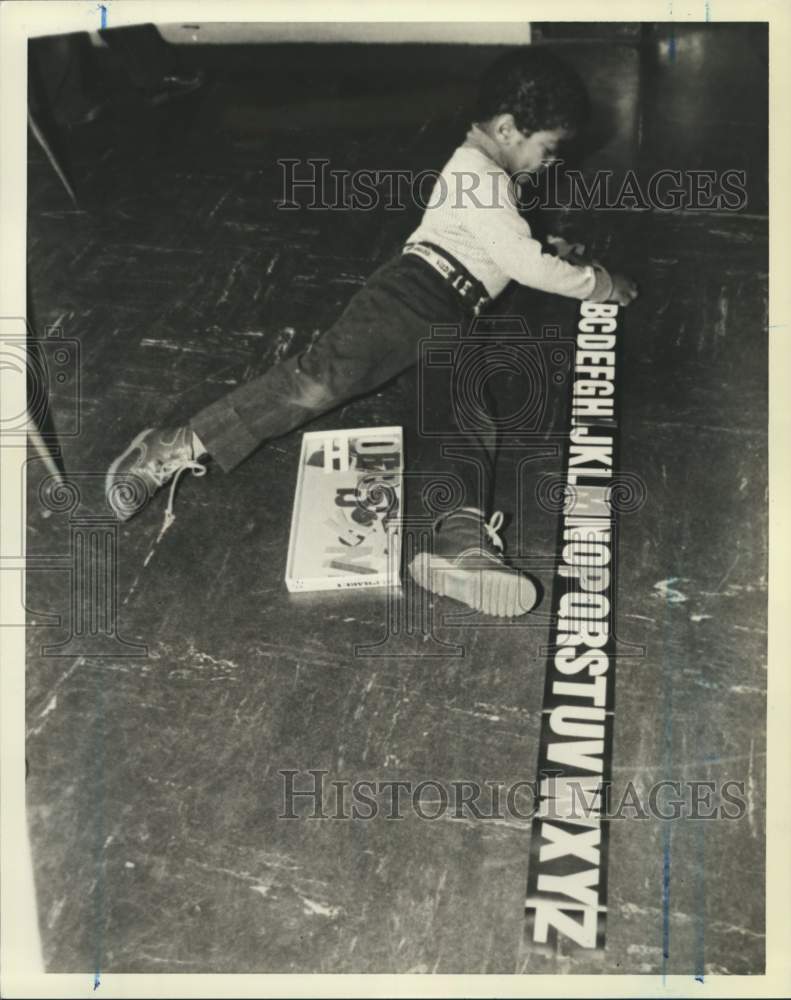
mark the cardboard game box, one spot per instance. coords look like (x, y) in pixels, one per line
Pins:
(345, 527)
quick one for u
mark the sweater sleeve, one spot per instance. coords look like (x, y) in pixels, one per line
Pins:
(506, 238)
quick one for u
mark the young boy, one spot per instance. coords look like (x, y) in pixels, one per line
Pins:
(470, 243)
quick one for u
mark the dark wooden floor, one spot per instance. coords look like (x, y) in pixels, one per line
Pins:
(153, 790)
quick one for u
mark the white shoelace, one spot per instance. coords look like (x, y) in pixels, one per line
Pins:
(197, 469)
(493, 527)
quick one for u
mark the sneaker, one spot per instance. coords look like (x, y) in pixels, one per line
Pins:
(467, 564)
(151, 460)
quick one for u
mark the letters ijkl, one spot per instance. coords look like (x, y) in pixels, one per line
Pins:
(567, 878)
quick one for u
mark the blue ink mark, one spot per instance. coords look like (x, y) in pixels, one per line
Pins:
(701, 922)
(665, 903)
(707, 8)
(103, 11)
(100, 801)
(671, 46)
(667, 763)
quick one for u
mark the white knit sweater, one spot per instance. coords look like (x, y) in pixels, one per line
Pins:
(472, 213)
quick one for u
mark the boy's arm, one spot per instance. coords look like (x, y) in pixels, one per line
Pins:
(622, 289)
(506, 237)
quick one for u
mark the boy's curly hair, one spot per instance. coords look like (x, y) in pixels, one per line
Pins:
(537, 88)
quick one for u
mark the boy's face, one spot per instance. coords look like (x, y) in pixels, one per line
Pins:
(525, 153)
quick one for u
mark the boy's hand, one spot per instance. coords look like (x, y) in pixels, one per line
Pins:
(624, 290)
(566, 250)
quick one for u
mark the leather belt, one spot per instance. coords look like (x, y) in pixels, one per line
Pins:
(468, 288)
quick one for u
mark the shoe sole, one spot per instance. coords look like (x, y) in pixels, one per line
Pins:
(110, 483)
(498, 593)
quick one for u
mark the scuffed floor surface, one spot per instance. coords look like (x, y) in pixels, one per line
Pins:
(154, 790)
